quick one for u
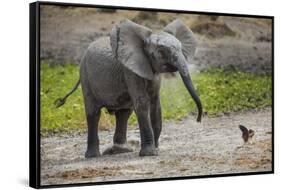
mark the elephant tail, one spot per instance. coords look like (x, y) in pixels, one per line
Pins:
(60, 101)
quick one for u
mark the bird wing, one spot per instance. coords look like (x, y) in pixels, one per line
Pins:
(243, 129)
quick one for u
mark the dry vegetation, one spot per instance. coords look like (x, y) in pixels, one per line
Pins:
(244, 43)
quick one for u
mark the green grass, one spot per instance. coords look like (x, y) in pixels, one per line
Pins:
(219, 91)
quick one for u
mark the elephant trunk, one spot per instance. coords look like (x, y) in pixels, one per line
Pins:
(181, 64)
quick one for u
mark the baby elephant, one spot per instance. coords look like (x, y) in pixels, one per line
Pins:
(122, 74)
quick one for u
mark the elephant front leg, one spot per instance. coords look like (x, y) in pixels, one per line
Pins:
(156, 118)
(142, 106)
(137, 88)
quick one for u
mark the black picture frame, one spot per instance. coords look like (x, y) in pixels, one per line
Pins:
(34, 98)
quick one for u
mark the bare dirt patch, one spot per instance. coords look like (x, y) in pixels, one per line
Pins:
(213, 30)
(186, 149)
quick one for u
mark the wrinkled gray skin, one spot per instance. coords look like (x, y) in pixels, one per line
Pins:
(122, 74)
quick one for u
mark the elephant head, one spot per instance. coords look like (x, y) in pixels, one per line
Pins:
(146, 53)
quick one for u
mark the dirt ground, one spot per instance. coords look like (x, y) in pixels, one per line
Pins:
(225, 41)
(186, 149)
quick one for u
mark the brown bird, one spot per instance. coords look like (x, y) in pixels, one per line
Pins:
(246, 134)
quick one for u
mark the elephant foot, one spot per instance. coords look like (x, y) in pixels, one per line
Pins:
(117, 149)
(148, 151)
(90, 153)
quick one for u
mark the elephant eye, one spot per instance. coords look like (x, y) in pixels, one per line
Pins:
(161, 52)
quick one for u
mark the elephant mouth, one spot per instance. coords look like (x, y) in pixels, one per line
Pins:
(169, 68)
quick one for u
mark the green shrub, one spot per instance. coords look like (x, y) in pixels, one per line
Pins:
(219, 91)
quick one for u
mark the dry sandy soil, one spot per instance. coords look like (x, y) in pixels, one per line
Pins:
(186, 149)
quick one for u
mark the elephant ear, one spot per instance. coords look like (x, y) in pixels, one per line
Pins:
(127, 43)
(185, 36)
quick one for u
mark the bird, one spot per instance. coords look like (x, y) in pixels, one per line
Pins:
(247, 134)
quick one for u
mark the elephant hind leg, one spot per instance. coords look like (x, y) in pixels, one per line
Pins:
(122, 117)
(93, 112)
(93, 139)
(119, 138)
